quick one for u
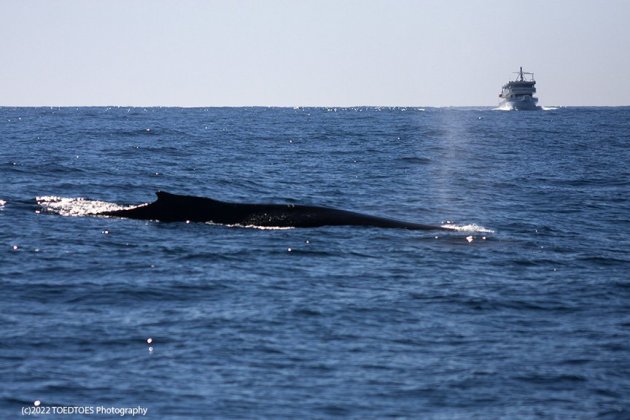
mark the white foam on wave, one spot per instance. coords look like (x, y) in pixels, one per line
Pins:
(76, 206)
(252, 226)
(264, 227)
(2, 203)
(467, 228)
(510, 108)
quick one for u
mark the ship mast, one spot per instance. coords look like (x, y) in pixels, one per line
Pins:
(521, 75)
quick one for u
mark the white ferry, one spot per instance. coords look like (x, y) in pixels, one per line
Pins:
(518, 94)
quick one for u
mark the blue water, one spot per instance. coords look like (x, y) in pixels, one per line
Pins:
(524, 312)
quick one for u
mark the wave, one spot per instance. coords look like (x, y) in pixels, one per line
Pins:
(509, 108)
(237, 225)
(415, 159)
(263, 227)
(76, 206)
(467, 228)
(2, 203)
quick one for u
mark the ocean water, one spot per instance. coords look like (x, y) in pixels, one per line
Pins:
(523, 311)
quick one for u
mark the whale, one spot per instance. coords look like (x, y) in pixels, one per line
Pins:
(184, 208)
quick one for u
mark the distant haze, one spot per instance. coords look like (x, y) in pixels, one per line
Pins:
(311, 53)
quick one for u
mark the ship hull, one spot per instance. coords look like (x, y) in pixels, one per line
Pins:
(521, 104)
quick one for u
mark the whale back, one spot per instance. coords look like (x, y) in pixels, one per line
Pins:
(173, 208)
(178, 208)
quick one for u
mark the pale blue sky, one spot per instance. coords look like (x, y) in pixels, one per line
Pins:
(320, 53)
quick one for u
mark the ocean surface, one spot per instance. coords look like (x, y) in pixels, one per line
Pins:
(522, 310)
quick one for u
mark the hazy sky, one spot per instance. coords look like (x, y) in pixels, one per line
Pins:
(299, 52)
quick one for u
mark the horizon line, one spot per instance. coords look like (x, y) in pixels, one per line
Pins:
(297, 106)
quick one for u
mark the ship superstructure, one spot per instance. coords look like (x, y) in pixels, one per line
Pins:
(519, 94)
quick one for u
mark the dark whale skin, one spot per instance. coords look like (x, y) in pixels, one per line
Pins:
(182, 208)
